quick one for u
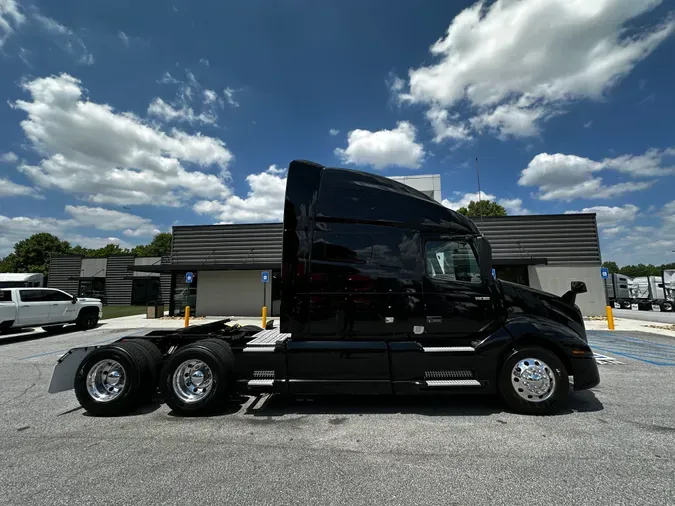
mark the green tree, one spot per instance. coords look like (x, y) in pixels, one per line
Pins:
(32, 254)
(611, 266)
(482, 208)
(159, 246)
(9, 263)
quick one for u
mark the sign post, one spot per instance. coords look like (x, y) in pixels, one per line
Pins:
(265, 278)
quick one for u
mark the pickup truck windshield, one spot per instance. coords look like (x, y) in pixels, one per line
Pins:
(452, 260)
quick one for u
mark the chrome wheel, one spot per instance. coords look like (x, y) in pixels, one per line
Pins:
(106, 380)
(533, 380)
(192, 381)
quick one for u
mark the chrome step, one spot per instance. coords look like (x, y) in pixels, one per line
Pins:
(268, 338)
(263, 349)
(448, 349)
(261, 383)
(453, 383)
(446, 375)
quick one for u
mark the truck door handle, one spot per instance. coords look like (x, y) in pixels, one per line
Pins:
(54, 304)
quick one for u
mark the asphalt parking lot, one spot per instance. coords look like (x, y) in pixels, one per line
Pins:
(615, 445)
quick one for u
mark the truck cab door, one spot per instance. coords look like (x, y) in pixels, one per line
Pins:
(34, 306)
(61, 308)
(459, 303)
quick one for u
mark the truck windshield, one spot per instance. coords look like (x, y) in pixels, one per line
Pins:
(452, 260)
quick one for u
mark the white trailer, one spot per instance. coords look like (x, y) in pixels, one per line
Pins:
(669, 284)
(21, 280)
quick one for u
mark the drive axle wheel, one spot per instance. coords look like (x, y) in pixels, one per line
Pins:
(534, 380)
(110, 380)
(197, 379)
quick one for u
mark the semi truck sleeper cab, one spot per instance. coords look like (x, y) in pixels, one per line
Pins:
(384, 291)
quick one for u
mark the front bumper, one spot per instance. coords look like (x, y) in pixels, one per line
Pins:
(585, 372)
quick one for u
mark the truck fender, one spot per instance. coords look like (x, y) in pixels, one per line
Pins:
(559, 338)
(63, 376)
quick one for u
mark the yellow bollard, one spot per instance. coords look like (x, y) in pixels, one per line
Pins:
(610, 318)
(187, 316)
(264, 317)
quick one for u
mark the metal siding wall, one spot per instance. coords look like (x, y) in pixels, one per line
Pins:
(568, 239)
(60, 269)
(118, 289)
(257, 243)
(165, 283)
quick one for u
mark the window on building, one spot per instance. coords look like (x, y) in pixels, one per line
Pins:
(452, 260)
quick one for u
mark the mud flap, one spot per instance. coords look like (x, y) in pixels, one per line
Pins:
(63, 376)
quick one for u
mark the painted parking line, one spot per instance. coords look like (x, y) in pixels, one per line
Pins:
(633, 347)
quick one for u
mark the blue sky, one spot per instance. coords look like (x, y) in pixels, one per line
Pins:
(119, 120)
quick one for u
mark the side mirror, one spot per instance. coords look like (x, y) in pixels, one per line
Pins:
(74, 300)
(578, 287)
(484, 251)
(575, 288)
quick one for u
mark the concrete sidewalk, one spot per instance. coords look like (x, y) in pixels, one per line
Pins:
(627, 324)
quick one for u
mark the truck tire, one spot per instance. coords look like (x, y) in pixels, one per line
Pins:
(154, 357)
(546, 391)
(667, 306)
(87, 318)
(99, 375)
(49, 329)
(198, 378)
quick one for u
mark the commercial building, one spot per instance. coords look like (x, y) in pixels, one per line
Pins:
(226, 263)
(110, 279)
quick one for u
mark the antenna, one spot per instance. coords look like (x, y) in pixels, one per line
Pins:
(480, 206)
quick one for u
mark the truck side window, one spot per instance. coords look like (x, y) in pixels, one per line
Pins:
(33, 296)
(452, 260)
(56, 296)
(5, 296)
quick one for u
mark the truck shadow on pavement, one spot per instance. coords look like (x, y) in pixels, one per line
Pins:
(32, 334)
(438, 405)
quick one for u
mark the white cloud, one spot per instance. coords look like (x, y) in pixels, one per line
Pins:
(9, 157)
(11, 189)
(229, 96)
(182, 107)
(210, 97)
(264, 202)
(110, 157)
(10, 19)
(333, 131)
(465, 199)
(97, 242)
(649, 164)
(588, 124)
(569, 177)
(440, 120)
(607, 216)
(383, 148)
(612, 231)
(108, 219)
(123, 37)
(204, 62)
(514, 63)
(166, 112)
(65, 38)
(514, 207)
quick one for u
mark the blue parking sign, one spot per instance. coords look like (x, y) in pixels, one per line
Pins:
(188, 277)
(265, 276)
(604, 272)
(494, 273)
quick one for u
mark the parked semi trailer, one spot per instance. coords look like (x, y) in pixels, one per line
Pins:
(618, 289)
(668, 276)
(384, 291)
(649, 295)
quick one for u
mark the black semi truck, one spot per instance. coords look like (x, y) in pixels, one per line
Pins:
(384, 291)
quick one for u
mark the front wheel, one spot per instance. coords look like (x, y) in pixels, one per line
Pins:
(87, 319)
(534, 380)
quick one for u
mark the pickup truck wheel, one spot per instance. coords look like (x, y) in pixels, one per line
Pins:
(87, 319)
(109, 381)
(197, 379)
(52, 328)
(534, 380)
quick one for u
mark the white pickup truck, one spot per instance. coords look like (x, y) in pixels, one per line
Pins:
(48, 308)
